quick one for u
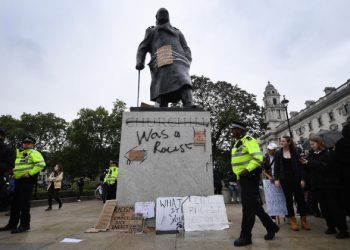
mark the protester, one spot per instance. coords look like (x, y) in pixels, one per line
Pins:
(7, 162)
(324, 176)
(289, 174)
(269, 161)
(246, 158)
(342, 158)
(80, 184)
(311, 201)
(28, 165)
(55, 184)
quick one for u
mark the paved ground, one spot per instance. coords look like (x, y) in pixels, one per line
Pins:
(49, 228)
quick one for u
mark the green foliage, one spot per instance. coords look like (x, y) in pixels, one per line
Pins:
(43, 194)
(93, 139)
(84, 146)
(88, 184)
(226, 103)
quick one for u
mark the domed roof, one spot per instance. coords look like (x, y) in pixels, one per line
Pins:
(270, 89)
(269, 86)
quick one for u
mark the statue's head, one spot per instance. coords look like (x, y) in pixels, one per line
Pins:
(162, 16)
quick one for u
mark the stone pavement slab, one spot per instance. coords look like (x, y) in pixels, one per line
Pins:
(49, 228)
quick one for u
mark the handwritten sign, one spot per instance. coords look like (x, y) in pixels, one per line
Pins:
(125, 220)
(205, 213)
(145, 208)
(164, 56)
(199, 137)
(136, 155)
(106, 215)
(169, 217)
(275, 200)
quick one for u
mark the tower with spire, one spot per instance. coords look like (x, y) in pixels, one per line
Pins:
(274, 109)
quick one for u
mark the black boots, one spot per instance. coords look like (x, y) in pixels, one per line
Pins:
(240, 242)
(6, 228)
(20, 229)
(271, 234)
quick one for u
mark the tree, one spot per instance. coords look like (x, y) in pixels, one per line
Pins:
(226, 104)
(93, 139)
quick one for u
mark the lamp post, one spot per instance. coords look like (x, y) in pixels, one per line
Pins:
(285, 105)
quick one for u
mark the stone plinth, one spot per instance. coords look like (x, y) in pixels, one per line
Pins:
(164, 154)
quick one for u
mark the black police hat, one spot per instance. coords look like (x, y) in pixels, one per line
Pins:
(28, 139)
(238, 124)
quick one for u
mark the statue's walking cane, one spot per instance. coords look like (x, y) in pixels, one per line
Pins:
(138, 90)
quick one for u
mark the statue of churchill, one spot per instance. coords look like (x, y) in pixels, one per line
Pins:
(169, 64)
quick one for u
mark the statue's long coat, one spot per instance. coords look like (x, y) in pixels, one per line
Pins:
(169, 78)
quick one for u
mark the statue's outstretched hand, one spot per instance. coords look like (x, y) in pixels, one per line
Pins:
(140, 66)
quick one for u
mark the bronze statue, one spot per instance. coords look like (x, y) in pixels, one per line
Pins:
(169, 64)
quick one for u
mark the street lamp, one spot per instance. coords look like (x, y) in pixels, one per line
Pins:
(285, 105)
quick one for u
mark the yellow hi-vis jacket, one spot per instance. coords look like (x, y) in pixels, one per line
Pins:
(111, 176)
(28, 161)
(245, 155)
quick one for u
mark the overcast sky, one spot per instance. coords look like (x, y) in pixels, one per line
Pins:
(61, 56)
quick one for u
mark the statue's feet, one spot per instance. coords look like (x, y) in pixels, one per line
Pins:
(192, 106)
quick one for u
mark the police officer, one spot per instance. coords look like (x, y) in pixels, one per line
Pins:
(110, 180)
(28, 165)
(7, 162)
(246, 160)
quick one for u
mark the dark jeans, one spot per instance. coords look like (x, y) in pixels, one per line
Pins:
(20, 206)
(80, 192)
(251, 206)
(52, 192)
(330, 203)
(4, 198)
(293, 189)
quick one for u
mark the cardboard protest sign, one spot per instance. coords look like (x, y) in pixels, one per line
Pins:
(145, 208)
(275, 200)
(106, 215)
(125, 220)
(204, 213)
(169, 217)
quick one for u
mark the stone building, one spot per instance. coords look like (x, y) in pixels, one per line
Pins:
(330, 112)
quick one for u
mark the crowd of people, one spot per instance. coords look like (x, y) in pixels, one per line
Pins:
(315, 182)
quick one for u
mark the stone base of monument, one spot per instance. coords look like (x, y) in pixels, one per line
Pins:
(164, 154)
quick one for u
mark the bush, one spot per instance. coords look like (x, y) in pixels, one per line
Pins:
(43, 194)
(88, 184)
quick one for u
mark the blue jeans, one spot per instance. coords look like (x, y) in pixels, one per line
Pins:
(235, 191)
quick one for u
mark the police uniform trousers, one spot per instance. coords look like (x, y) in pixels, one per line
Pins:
(111, 191)
(251, 206)
(20, 205)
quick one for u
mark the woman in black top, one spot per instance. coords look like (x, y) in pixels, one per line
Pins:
(289, 175)
(324, 176)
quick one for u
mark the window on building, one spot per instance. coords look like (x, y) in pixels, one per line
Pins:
(310, 126)
(279, 114)
(347, 108)
(319, 120)
(331, 116)
(274, 101)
